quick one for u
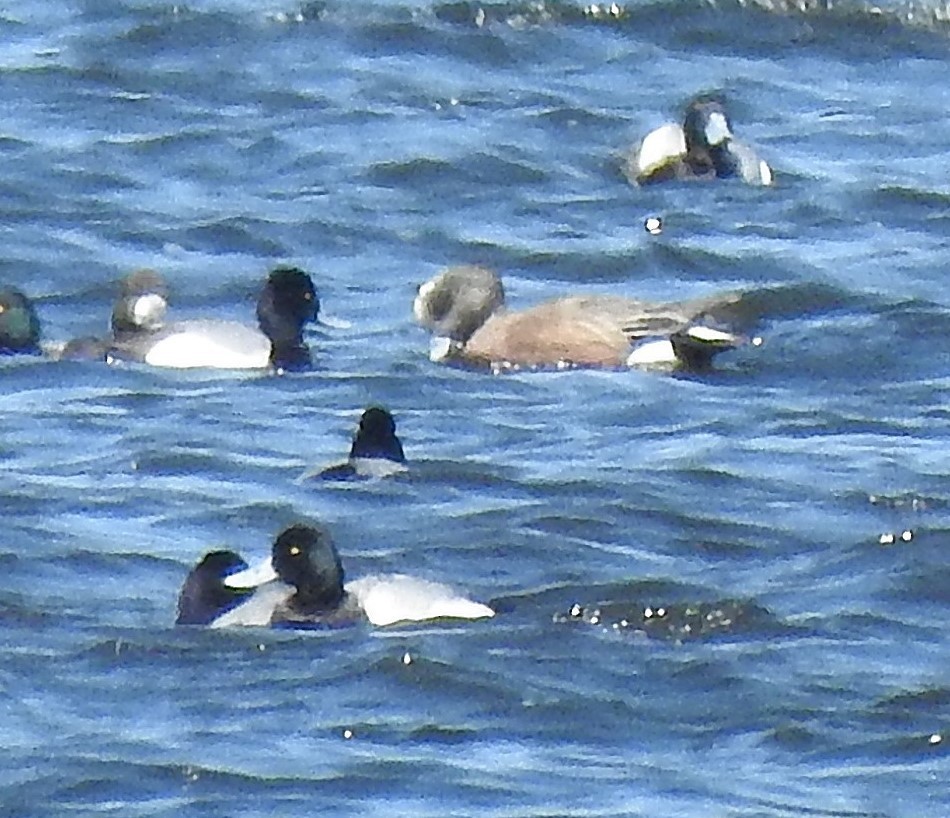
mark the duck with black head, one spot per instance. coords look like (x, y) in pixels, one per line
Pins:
(287, 303)
(464, 308)
(702, 148)
(376, 450)
(206, 600)
(301, 584)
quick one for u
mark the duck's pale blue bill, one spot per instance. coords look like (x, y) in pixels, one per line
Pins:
(251, 577)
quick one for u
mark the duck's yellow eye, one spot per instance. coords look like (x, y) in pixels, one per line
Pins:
(294, 550)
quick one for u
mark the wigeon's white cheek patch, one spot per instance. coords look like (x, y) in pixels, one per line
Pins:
(717, 129)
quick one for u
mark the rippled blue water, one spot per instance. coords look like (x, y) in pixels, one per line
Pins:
(718, 595)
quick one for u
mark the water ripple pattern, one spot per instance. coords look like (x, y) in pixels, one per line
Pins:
(718, 594)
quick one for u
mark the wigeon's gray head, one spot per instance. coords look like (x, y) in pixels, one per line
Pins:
(458, 301)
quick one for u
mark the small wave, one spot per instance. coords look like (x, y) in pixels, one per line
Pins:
(424, 173)
(194, 24)
(675, 622)
(877, 18)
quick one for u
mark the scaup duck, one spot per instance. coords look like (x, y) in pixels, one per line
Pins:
(139, 311)
(204, 596)
(287, 302)
(464, 309)
(305, 559)
(206, 600)
(375, 452)
(142, 304)
(702, 148)
(19, 324)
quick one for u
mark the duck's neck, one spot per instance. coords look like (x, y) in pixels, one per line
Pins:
(292, 355)
(317, 597)
(387, 448)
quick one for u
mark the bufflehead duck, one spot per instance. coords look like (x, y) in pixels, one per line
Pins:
(702, 148)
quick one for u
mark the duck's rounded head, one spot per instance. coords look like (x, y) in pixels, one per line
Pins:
(142, 303)
(458, 301)
(304, 557)
(706, 124)
(376, 436)
(205, 596)
(19, 324)
(287, 302)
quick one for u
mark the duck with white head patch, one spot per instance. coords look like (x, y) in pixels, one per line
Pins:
(703, 148)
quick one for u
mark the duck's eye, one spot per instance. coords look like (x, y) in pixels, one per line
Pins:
(294, 551)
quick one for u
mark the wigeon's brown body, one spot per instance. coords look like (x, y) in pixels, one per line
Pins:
(465, 305)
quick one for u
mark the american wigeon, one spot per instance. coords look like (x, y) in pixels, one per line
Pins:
(464, 308)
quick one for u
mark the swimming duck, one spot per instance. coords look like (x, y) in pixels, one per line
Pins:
(139, 311)
(464, 309)
(206, 600)
(19, 324)
(305, 560)
(702, 148)
(142, 304)
(376, 450)
(287, 302)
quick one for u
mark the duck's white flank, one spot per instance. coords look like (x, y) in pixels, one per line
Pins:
(212, 344)
(660, 146)
(392, 598)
